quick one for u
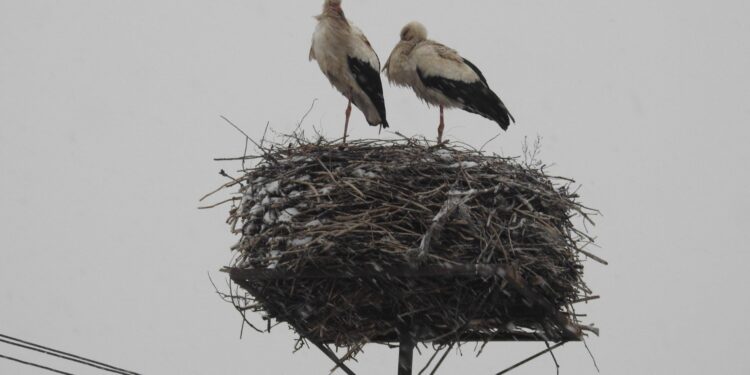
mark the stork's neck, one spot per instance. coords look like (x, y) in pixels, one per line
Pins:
(405, 47)
(333, 11)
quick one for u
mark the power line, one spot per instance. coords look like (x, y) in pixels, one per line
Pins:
(63, 355)
(35, 365)
(43, 351)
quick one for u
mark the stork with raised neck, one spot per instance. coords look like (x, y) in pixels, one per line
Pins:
(441, 77)
(346, 57)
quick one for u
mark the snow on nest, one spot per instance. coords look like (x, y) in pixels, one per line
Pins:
(287, 215)
(301, 241)
(465, 165)
(359, 172)
(444, 154)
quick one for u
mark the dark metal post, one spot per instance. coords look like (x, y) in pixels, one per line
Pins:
(405, 352)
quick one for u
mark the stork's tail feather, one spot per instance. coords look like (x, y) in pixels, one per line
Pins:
(493, 109)
(502, 116)
(383, 124)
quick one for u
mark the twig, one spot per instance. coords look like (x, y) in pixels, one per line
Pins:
(586, 299)
(220, 203)
(440, 362)
(241, 131)
(244, 153)
(592, 256)
(332, 356)
(227, 185)
(244, 319)
(533, 357)
(554, 359)
(299, 124)
(488, 142)
(449, 207)
(265, 131)
(432, 358)
(591, 355)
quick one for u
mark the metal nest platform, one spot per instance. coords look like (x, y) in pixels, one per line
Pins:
(409, 329)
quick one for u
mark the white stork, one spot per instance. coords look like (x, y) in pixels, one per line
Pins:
(441, 77)
(346, 57)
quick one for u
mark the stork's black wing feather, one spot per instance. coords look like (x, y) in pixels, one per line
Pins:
(476, 70)
(369, 81)
(475, 97)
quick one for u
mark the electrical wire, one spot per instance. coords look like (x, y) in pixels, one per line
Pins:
(34, 365)
(63, 355)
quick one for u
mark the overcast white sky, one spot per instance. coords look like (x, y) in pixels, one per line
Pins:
(109, 120)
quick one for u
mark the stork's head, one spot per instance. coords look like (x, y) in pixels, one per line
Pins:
(414, 32)
(332, 4)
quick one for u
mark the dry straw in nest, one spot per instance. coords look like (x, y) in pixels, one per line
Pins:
(359, 244)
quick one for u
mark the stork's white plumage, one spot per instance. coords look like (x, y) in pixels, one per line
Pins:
(441, 77)
(346, 57)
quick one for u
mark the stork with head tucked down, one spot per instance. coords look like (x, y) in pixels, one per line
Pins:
(441, 77)
(346, 57)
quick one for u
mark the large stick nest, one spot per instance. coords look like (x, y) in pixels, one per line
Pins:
(356, 244)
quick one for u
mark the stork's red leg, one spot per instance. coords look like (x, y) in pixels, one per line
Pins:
(348, 114)
(441, 127)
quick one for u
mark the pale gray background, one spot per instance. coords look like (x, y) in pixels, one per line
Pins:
(109, 120)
